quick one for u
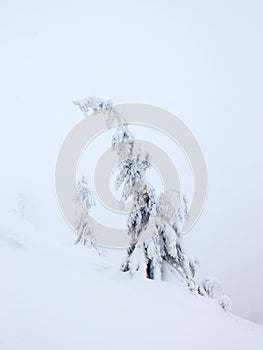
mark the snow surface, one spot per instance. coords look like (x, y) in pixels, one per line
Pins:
(54, 295)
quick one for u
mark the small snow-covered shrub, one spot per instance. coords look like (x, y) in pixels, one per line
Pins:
(226, 303)
(210, 287)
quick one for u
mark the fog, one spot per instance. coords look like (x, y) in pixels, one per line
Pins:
(200, 60)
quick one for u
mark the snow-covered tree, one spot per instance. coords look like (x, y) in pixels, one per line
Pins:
(166, 243)
(165, 249)
(84, 201)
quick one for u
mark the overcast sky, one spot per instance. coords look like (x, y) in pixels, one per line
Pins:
(201, 60)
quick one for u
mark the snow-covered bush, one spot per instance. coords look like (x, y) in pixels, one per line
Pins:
(226, 303)
(210, 287)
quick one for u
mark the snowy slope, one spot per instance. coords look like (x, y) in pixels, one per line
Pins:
(58, 296)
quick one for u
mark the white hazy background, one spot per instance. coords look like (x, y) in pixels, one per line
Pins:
(200, 60)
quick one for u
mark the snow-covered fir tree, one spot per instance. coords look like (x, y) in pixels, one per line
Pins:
(83, 202)
(165, 249)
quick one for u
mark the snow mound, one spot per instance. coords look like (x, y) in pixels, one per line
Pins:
(57, 296)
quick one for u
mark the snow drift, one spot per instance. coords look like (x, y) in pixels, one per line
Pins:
(59, 296)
